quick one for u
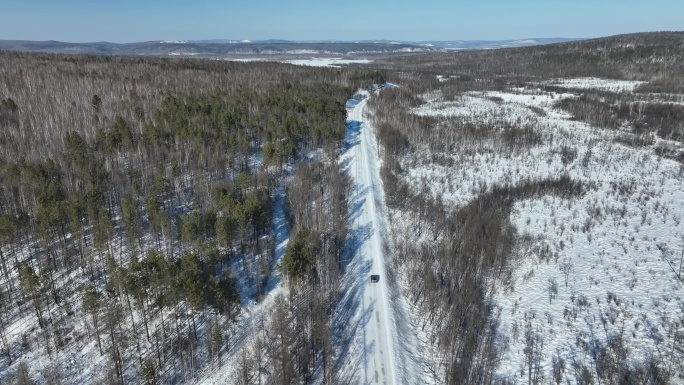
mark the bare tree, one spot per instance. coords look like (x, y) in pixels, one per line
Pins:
(566, 268)
(552, 289)
(22, 375)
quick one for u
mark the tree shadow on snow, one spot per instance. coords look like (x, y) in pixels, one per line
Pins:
(352, 136)
(281, 230)
(356, 204)
(354, 241)
(345, 327)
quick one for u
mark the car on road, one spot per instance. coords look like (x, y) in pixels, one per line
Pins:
(375, 278)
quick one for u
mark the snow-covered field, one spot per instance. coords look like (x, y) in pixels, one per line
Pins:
(611, 85)
(311, 62)
(326, 62)
(593, 271)
(460, 185)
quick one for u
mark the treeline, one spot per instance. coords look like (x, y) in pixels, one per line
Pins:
(137, 196)
(610, 110)
(645, 120)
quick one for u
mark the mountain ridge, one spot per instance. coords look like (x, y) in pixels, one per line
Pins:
(218, 47)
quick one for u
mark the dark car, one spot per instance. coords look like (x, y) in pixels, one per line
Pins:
(375, 278)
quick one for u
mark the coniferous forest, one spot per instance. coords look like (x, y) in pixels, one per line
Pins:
(137, 209)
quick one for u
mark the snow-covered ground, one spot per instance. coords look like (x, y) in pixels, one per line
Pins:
(81, 361)
(459, 185)
(326, 62)
(252, 319)
(593, 269)
(311, 62)
(611, 85)
(370, 316)
(374, 343)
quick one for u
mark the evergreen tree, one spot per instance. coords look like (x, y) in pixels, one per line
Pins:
(149, 372)
(192, 282)
(298, 259)
(91, 304)
(30, 283)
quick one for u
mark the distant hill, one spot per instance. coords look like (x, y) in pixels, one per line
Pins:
(636, 56)
(641, 39)
(490, 44)
(225, 47)
(211, 48)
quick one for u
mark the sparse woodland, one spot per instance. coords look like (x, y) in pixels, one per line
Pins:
(456, 145)
(137, 212)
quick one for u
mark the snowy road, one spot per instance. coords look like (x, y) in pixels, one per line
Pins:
(371, 335)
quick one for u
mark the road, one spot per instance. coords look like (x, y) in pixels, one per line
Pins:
(374, 332)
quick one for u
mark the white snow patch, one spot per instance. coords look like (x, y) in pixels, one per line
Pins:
(311, 62)
(611, 85)
(326, 62)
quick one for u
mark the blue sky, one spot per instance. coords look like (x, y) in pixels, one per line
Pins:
(129, 21)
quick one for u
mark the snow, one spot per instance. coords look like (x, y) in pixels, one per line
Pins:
(246, 59)
(252, 318)
(369, 320)
(621, 242)
(81, 362)
(460, 186)
(370, 316)
(597, 83)
(623, 267)
(311, 62)
(486, 107)
(326, 62)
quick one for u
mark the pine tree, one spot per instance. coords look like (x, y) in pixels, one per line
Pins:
(192, 283)
(298, 259)
(149, 372)
(30, 283)
(96, 103)
(130, 217)
(91, 304)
